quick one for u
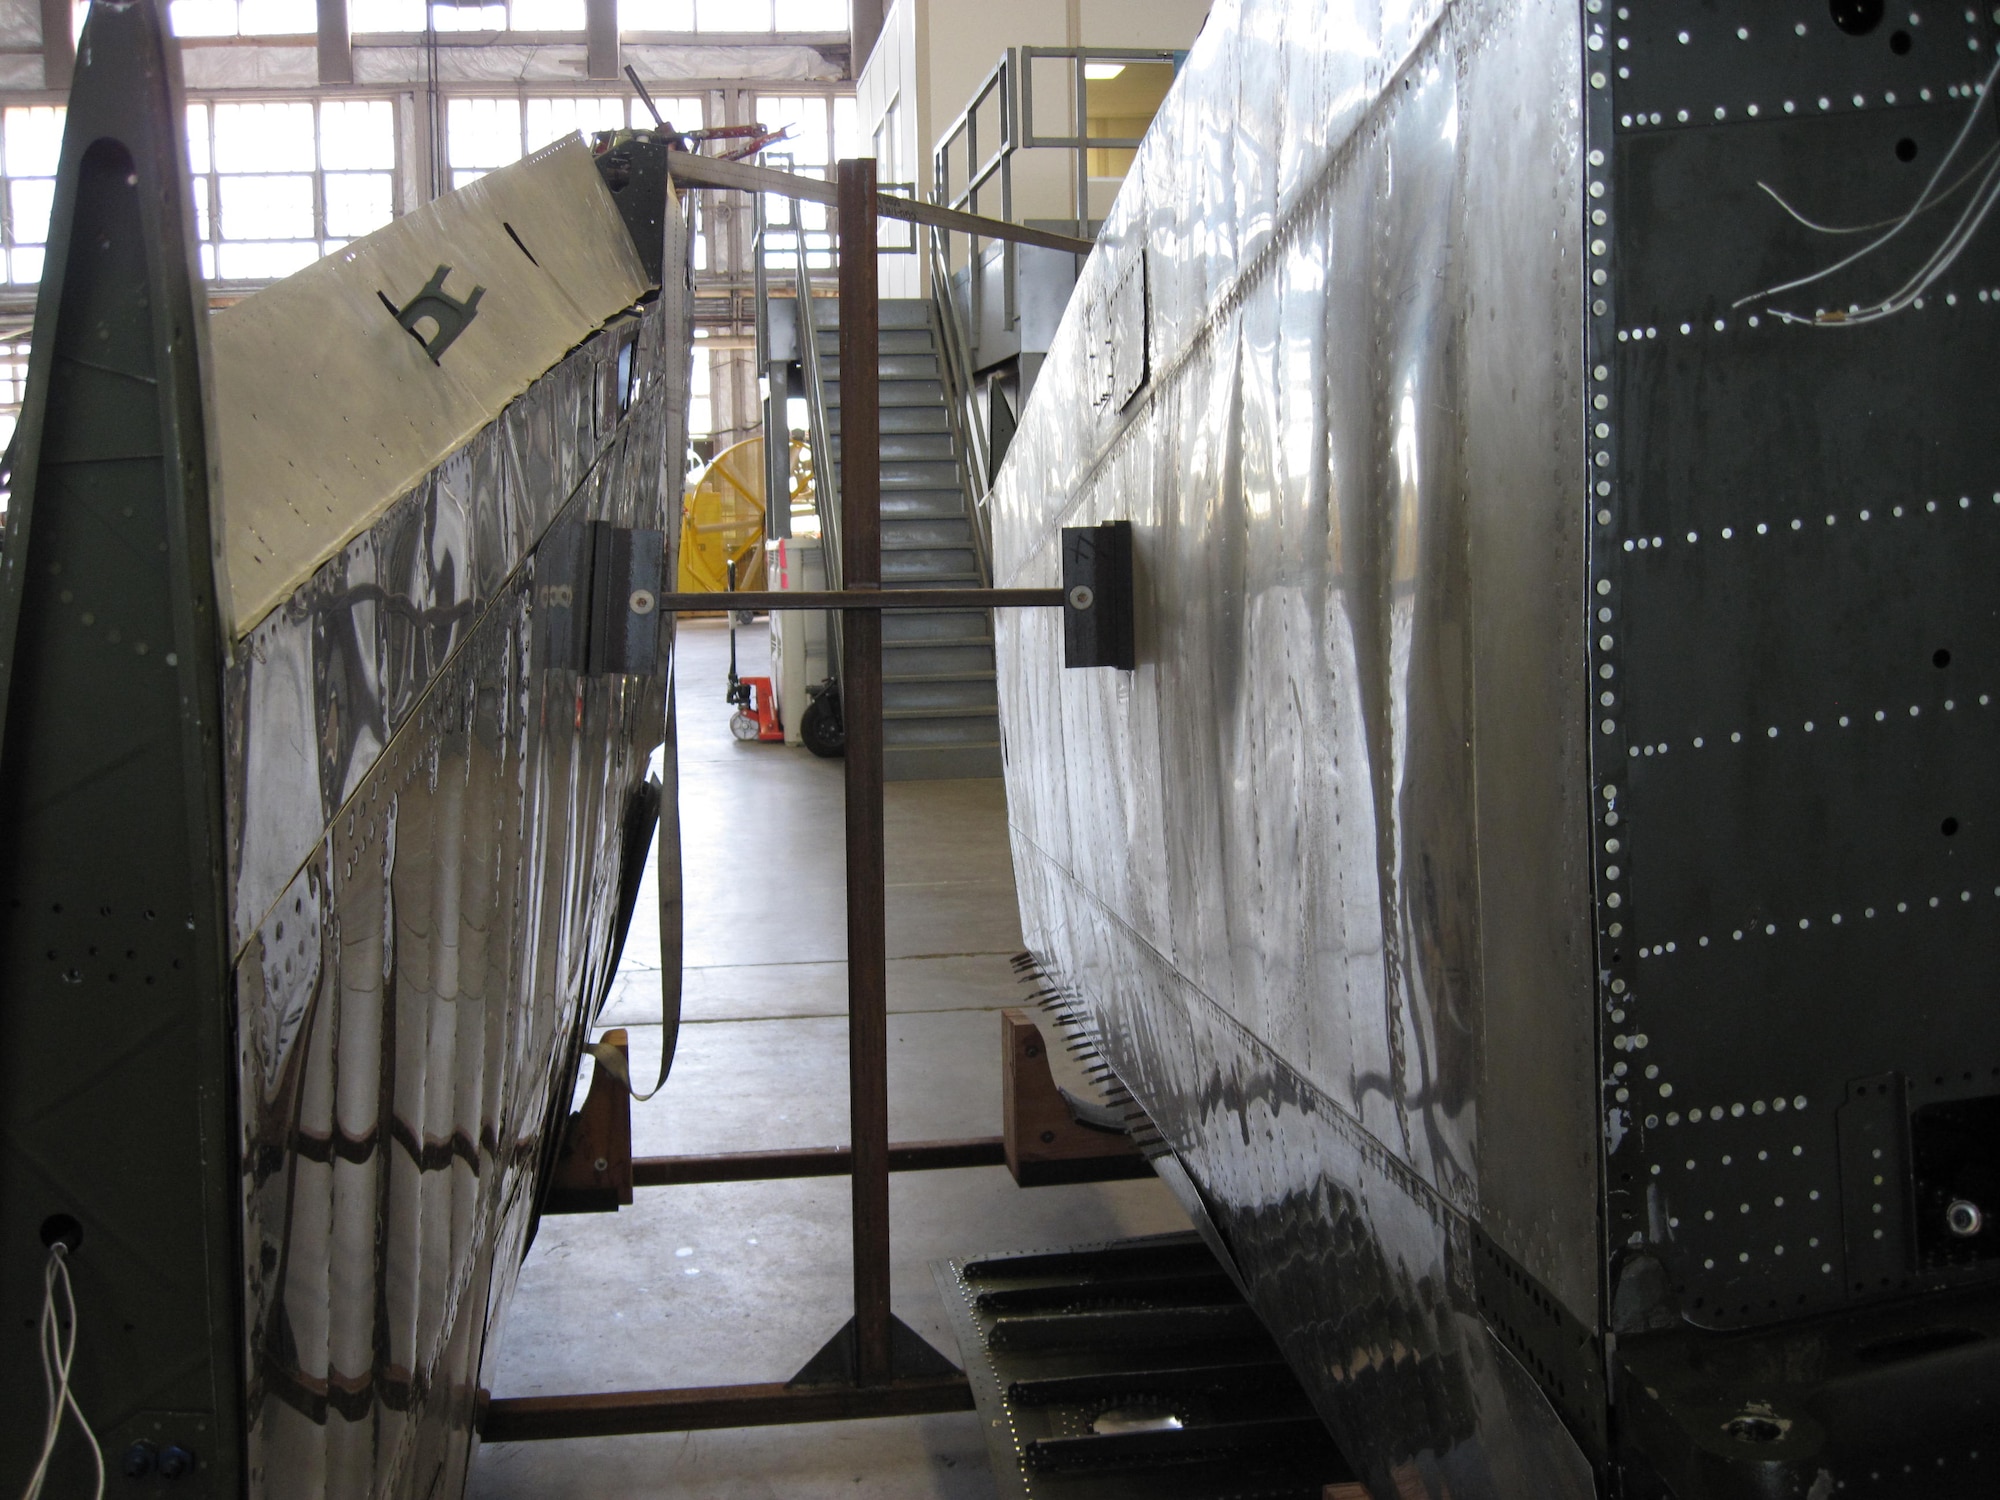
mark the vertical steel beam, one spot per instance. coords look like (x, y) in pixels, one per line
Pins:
(600, 38)
(58, 44)
(861, 694)
(336, 43)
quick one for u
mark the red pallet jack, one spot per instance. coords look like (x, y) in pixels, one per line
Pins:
(756, 704)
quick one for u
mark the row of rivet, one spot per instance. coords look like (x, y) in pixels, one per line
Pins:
(1763, 528)
(1598, 128)
(1799, 29)
(1772, 929)
(1721, 325)
(1772, 732)
(1754, 111)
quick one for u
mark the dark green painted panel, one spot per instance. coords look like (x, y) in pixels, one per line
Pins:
(115, 1047)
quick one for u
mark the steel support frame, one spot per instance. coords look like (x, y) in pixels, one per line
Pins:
(876, 1387)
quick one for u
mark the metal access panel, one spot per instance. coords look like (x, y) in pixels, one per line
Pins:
(1795, 597)
(1795, 571)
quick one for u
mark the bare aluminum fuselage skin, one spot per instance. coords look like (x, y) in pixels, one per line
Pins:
(1408, 881)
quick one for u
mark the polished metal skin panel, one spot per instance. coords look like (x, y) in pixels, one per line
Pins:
(425, 825)
(1315, 866)
(1536, 879)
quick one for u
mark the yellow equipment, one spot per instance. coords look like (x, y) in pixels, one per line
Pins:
(722, 517)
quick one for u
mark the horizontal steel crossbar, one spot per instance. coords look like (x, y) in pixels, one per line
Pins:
(812, 1161)
(521, 1419)
(712, 172)
(928, 599)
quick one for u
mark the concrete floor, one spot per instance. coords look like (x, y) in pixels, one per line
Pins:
(734, 1283)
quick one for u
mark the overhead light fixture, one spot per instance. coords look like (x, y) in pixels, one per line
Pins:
(1101, 71)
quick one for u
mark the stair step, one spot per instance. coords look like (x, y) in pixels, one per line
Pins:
(916, 474)
(894, 312)
(952, 696)
(896, 418)
(941, 762)
(906, 474)
(940, 531)
(924, 726)
(988, 676)
(936, 627)
(898, 393)
(915, 578)
(942, 714)
(918, 447)
(928, 567)
(905, 660)
(889, 367)
(890, 340)
(898, 505)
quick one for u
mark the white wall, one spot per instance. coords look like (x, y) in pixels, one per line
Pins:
(932, 54)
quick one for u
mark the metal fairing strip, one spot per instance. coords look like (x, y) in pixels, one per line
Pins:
(114, 1053)
(415, 995)
(1313, 866)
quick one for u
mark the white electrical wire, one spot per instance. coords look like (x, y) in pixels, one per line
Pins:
(1940, 259)
(1937, 202)
(58, 1353)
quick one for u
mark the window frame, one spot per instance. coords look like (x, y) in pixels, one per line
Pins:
(209, 186)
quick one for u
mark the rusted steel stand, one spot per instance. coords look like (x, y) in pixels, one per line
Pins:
(875, 1366)
(873, 1351)
(861, 705)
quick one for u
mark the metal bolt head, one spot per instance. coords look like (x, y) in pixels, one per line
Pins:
(139, 1459)
(1048, 1136)
(602, 1165)
(175, 1461)
(1963, 1218)
(1082, 597)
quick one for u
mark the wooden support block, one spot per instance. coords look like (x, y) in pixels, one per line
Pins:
(593, 1173)
(1347, 1490)
(1045, 1143)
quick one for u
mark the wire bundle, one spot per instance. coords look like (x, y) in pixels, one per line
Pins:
(1986, 169)
(58, 1350)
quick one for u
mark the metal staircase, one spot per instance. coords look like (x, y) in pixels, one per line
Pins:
(940, 707)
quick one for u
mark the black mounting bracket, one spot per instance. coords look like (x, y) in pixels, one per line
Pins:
(1098, 596)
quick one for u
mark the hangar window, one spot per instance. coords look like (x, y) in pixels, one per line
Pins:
(824, 128)
(30, 143)
(13, 382)
(280, 182)
(732, 15)
(481, 134)
(371, 16)
(243, 17)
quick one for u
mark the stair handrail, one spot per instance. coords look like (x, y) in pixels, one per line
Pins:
(970, 444)
(826, 482)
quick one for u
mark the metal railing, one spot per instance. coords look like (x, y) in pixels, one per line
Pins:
(961, 399)
(826, 479)
(1010, 89)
